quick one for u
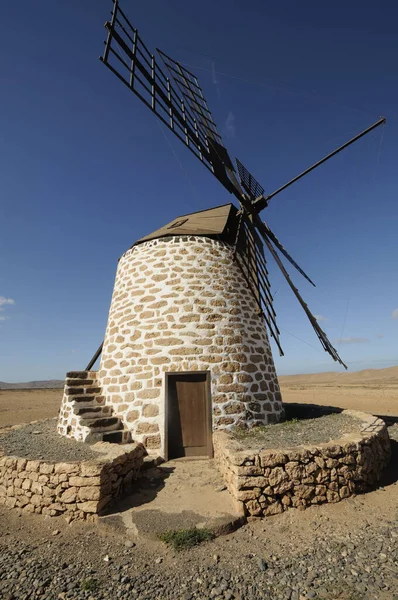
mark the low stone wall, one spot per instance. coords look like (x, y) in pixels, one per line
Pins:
(272, 481)
(76, 490)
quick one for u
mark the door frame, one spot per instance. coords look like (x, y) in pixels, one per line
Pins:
(209, 411)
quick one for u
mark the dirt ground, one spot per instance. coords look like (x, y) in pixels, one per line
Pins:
(370, 391)
(376, 401)
(23, 406)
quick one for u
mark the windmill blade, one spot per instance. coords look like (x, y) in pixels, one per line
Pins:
(188, 117)
(191, 91)
(256, 191)
(129, 59)
(327, 346)
(249, 183)
(248, 253)
(277, 243)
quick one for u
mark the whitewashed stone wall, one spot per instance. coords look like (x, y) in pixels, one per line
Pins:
(182, 304)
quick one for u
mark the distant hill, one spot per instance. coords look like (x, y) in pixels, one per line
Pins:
(33, 385)
(368, 377)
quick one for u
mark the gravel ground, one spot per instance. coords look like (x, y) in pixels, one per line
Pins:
(297, 432)
(358, 566)
(40, 441)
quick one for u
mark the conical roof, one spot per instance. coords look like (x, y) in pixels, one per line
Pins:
(219, 222)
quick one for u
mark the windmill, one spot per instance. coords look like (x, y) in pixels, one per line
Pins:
(178, 101)
(186, 348)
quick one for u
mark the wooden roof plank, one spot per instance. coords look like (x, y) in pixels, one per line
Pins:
(207, 222)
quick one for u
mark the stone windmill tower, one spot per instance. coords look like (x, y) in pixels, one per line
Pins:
(186, 348)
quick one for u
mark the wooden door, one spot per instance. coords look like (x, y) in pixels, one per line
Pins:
(189, 418)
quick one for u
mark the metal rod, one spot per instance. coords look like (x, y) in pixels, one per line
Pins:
(381, 121)
(94, 359)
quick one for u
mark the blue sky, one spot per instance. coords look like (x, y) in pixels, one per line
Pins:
(86, 169)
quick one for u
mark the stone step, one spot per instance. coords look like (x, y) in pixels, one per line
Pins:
(79, 382)
(77, 374)
(89, 400)
(78, 391)
(92, 412)
(102, 424)
(118, 436)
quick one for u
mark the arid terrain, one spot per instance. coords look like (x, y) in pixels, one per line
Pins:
(373, 390)
(23, 406)
(345, 551)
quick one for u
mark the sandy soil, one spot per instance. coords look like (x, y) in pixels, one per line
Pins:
(374, 391)
(23, 406)
(367, 378)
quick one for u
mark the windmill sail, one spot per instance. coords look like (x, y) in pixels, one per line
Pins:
(327, 346)
(186, 115)
(192, 93)
(249, 183)
(285, 253)
(255, 191)
(249, 255)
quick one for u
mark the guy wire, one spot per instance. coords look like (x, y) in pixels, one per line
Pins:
(178, 161)
(301, 340)
(294, 89)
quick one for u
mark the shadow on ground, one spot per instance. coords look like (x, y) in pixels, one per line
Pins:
(295, 410)
(144, 490)
(180, 495)
(390, 473)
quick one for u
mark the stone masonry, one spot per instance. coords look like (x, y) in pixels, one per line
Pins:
(75, 490)
(181, 304)
(269, 482)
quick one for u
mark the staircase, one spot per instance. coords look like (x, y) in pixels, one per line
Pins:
(92, 421)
